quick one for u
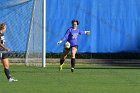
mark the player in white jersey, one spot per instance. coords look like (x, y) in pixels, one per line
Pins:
(3, 51)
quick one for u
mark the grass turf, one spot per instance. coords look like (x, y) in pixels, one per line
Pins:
(85, 79)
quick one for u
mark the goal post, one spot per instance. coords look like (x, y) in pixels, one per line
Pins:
(36, 47)
(44, 34)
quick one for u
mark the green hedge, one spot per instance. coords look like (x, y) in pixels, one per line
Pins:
(84, 55)
(99, 55)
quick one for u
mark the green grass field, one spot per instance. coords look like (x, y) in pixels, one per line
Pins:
(85, 79)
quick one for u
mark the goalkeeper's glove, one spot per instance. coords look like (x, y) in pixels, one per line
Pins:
(87, 32)
(59, 42)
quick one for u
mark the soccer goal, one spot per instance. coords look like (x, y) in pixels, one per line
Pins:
(26, 29)
(36, 52)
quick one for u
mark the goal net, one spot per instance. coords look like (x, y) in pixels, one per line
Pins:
(25, 30)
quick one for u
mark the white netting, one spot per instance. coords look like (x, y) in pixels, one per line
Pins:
(34, 47)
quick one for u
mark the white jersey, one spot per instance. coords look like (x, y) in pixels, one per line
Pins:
(2, 38)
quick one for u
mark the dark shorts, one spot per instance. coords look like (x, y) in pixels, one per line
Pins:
(2, 54)
(71, 47)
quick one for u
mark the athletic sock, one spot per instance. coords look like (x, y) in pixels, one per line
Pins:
(72, 62)
(61, 61)
(7, 73)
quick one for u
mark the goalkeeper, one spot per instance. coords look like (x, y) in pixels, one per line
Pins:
(3, 50)
(71, 38)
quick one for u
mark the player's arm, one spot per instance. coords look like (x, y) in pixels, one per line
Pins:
(64, 38)
(6, 49)
(84, 32)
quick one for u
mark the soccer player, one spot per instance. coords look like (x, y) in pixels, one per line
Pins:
(71, 37)
(3, 49)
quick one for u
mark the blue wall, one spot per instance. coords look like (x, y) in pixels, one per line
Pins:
(114, 24)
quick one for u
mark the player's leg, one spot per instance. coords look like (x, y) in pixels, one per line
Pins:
(73, 53)
(63, 57)
(6, 65)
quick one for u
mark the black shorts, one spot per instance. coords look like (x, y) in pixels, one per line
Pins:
(3, 55)
(71, 47)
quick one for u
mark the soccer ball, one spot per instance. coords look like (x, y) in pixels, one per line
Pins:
(67, 45)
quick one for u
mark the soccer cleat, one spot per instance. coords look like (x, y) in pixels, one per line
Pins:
(12, 80)
(61, 67)
(72, 69)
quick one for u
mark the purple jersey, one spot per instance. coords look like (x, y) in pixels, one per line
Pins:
(72, 35)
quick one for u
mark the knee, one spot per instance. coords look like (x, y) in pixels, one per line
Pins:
(73, 55)
(6, 66)
(63, 57)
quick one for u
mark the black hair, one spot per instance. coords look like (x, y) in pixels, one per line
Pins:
(74, 20)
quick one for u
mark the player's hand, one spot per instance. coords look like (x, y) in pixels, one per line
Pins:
(87, 32)
(7, 49)
(59, 42)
